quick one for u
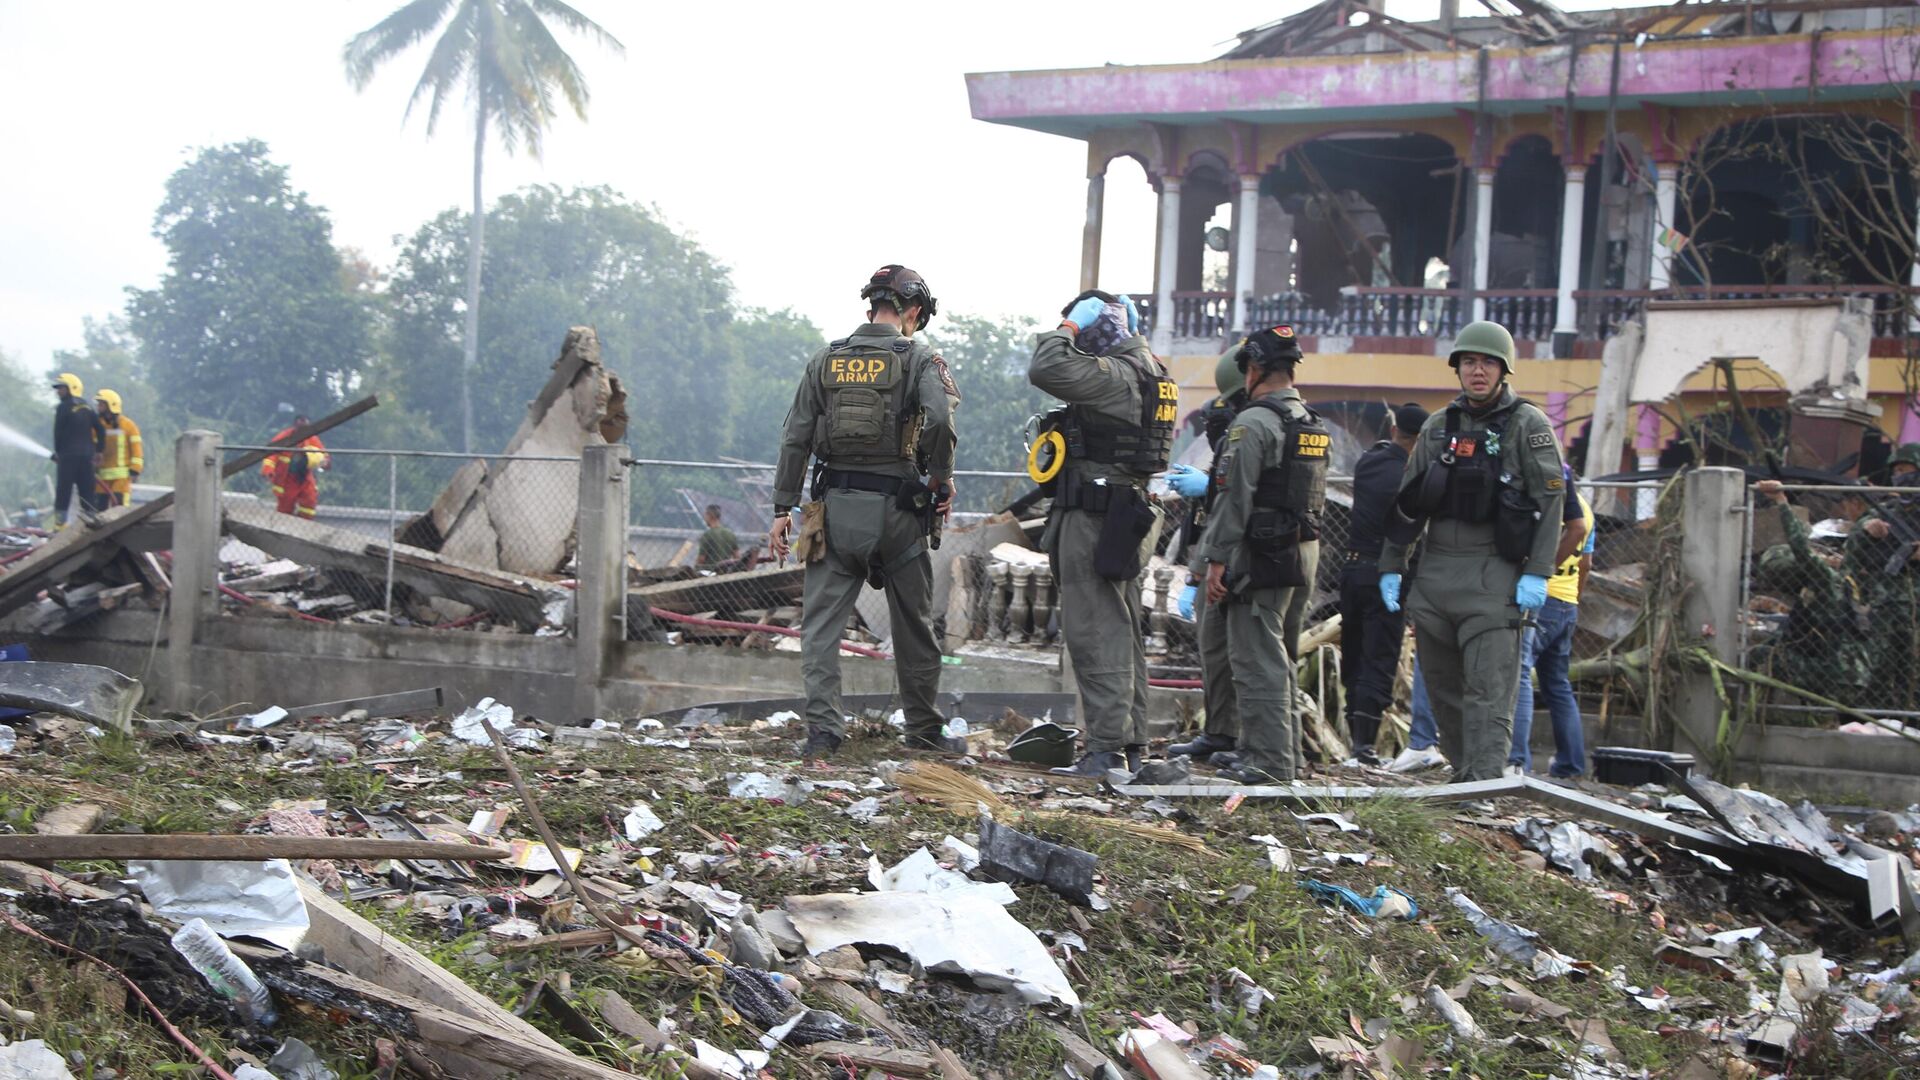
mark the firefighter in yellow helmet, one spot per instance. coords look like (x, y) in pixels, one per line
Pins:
(292, 474)
(122, 453)
(77, 438)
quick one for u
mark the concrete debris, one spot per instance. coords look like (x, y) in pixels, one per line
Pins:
(97, 695)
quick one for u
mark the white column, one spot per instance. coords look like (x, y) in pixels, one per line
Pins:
(1090, 235)
(1247, 239)
(1162, 341)
(1573, 209)
(1665, 188)
(1482, 237)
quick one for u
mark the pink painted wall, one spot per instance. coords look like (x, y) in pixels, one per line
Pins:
(1717, 70)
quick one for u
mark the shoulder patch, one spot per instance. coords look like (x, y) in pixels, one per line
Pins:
(946, 377)
(901, 345)
(1540, 439)
(1235, 432)
(1555, 484)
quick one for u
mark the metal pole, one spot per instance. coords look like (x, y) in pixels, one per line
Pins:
(393, 521)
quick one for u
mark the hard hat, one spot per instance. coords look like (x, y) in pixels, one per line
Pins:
(1270, 349)
(1486, 338)
(1831, 529)
(71, 381)
(111, 398)
(904, 287)
(1226, 372)
(1907, 454)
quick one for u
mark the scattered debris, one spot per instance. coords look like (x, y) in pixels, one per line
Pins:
(1007, 854)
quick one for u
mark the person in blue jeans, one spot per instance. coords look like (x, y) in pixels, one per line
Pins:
(1547, 649)
(1425, 734)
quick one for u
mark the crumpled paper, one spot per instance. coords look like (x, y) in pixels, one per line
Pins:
(250, 899)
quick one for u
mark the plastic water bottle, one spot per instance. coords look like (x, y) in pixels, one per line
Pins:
(229, 975)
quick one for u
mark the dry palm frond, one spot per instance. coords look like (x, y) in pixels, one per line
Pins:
(962, 794)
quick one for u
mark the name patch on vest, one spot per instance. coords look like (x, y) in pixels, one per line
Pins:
(858, 371)
(1309, 444)
(1168, 409)
(1466, 445)
(1540, 440)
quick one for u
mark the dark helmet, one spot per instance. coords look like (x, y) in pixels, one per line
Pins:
(1907, 454)
(1271, 349)
(903, 288)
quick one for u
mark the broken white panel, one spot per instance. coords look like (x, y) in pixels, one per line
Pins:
(920, 873)
(467, 727)
(964, 933)
(235, 899)
(641, 821)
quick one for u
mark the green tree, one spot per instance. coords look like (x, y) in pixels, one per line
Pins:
(988, 357)
(26, 412)
(111, 359)
(254, 309)
(503, 57)
(663, 309)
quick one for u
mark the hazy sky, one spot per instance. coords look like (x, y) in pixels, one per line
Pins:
(802, 143)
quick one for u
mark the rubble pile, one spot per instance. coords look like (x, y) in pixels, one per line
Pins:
(481, 892)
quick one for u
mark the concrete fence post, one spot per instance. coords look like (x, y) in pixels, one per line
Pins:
(196, 553)
(600, 599)
(1712, 557)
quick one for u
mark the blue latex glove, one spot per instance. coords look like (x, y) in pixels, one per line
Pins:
(1187, 597)
(1086, 311)
(1133, 314)
(1531, 592)
(1187, 481)
(1390, 591)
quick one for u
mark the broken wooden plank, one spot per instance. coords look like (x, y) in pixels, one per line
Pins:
(459, 1043)
(567, 939)
(70, 819)
(949, 1063)
(402, 703)
(847, 1000)
(508, 596)
(364, 950)
(73, 548)
(897, 1061)
(623, 1018)
(97, 695)
(234, 848)
(763, 587)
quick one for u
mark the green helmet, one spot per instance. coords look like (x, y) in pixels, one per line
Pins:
(1907, 454)
(1226, 373)
(1777, 566)
(1488, 338)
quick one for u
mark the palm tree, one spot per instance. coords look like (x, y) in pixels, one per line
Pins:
(501, 53)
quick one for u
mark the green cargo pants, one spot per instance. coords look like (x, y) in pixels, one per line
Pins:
(865, 528)
(1100, 621)
(1257, 647)
(1216, 667)
(1468, 632)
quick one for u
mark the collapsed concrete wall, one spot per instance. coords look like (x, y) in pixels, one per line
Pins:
(519, 516)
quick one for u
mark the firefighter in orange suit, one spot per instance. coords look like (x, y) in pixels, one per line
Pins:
(122, 454)
(293, 473)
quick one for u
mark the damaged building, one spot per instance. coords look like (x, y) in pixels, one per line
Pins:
(1378, 182)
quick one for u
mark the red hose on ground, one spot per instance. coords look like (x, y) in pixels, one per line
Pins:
(785, 631)
(465, 620)
(1175, 684)
(250, 601)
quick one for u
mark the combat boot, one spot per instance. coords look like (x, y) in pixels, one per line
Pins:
(1093, 766)
(1202, 748)
(820, 745)
(1253, 774)
(1136, 757)
(936, 743)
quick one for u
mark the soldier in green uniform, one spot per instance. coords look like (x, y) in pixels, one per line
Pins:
(1273, 486)
(875, 412)
(1117, 430)
(1824, 647)
(1484, 486)
(1882, 565)
(1202, 490)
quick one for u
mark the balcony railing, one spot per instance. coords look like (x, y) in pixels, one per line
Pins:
(1369, 311)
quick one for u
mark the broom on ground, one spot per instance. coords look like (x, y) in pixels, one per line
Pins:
(962, 794)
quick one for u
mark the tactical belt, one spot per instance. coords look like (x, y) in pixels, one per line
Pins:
(1089, 496)
(848, 480)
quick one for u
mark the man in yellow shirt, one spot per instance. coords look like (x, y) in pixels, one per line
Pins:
(1548, 649)
(122, 454)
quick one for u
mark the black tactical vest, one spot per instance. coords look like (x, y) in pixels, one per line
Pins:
(866, 416)
(1299, 482)
(1143, 445)
(1463, 483)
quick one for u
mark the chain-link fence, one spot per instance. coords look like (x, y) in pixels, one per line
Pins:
(412, 538)
(1833, 598)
